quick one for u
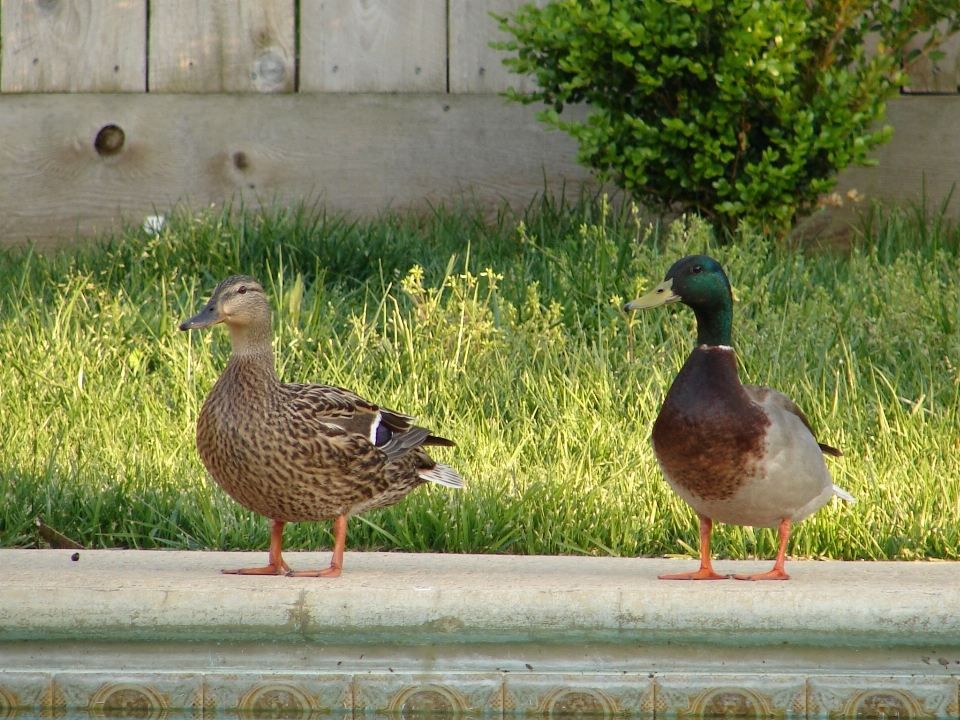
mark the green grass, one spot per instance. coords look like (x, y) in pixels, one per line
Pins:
(502, 334)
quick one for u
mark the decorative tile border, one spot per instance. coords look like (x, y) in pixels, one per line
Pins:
(894, 697)
(754, 696)
(403, 694)
(672, 696)
(600, 695)
(273, 695)
(144, 695)
(24, 690)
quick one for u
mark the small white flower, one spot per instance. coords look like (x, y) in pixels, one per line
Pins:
(153, 224)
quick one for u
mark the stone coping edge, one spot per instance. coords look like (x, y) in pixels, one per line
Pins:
(420, 598)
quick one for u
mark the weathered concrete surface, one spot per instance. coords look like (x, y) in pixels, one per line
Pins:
(450, 599)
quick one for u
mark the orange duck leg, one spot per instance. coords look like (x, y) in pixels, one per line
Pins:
(277, 566)
(778, 573)
(336, 563)
(706, 569)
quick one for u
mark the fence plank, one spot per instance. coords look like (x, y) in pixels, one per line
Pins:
(73, 46)
(373, 46)
(922, 158)
(209, 46)
(935, 76)
(357, 153)
(474, 66)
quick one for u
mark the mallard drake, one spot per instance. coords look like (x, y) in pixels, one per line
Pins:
(297, 453)
(737, 454)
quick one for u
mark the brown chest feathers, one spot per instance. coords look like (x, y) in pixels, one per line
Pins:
(709, 435)
(274, 457)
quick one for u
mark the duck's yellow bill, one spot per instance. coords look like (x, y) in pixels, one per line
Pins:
(660, 295)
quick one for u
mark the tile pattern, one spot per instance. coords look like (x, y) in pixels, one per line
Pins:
(754, 696)
(605, 695)
(24, 690)
(672, 696)
(142, 695)
(253, 694)
(443, 693)
(896, 698)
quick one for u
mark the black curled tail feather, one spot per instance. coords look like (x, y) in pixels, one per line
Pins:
(829, 450)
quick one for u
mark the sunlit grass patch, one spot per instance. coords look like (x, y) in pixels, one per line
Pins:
(505, 335)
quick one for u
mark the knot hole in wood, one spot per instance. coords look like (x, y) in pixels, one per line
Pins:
(50, 7)
(109, 140)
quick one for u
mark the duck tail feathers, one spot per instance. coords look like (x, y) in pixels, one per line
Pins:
(402, 443)
(439, 441)
(841, 493)
(442, 475)
(829, 450)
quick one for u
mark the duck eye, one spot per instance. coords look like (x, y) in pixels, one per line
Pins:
(242, 289)
(697, 269)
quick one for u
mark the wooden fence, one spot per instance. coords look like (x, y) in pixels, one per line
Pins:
(252, 46)
(111, 110)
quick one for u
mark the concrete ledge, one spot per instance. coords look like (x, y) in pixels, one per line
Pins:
(128, 595)
(494, 634)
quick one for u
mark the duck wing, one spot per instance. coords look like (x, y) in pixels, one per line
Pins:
(391, 432)
(762, 394)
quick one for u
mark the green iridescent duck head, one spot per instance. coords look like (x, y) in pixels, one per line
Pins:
(699, 282)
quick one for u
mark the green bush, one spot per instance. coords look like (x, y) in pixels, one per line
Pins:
(741, 110)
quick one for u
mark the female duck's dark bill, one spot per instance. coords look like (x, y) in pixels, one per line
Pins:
(660, 295)
(205, 318)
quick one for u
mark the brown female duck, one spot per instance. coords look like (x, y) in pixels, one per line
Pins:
(294, 452)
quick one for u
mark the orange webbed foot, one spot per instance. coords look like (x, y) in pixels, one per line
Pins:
(336, 563)
(778, 573)
(701, 574)
(706, 567)
(268, 570)
(775, 574)
(278, 565)
(331, 572)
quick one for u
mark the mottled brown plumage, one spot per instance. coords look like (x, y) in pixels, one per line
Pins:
(294, 452)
